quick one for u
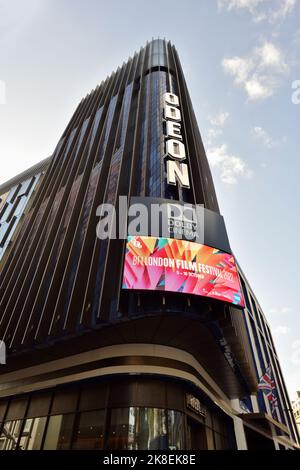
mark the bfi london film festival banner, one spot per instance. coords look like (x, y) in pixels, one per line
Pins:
(172, 265)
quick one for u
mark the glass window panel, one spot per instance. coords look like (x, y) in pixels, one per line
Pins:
(32, 434)
(13, 193)
(90, 431)
(5, 212)
(175, 430)
(10, 435)
(152, 423)
(138, 429)
(119, 428)
(59, 432)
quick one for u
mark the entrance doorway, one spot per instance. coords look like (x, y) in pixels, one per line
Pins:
(196, 435)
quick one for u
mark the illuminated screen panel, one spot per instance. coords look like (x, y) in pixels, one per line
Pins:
(168, 264)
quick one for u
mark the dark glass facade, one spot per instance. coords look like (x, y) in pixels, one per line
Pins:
(93, 416)
(65, 318)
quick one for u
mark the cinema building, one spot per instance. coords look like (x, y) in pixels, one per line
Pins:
(105, 352)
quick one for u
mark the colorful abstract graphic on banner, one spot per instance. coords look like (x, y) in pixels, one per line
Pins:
(166, 264)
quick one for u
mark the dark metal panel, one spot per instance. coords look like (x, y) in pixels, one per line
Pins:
(77, 300)
(17, 409)
(142, 99)
(39, 405)
(114, 252)
(61, 300)
(83, 265)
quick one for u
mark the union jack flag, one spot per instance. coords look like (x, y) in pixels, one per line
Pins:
(266, 383)
(268, 387)
(273, 401)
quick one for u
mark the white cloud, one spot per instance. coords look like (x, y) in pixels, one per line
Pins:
(258, 73)
(217, 122)
(231, 167)
(257, 89)
(271, 56)
(269, 142)
(260, 10)
(262, 135)
(280, 330)
(220, 119)
(284, 9)
(249, 5)
(212, 134)
(239, 67)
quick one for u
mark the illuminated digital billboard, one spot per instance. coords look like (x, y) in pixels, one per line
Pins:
(172, 265)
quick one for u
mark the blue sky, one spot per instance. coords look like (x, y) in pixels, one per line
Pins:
(240, 58)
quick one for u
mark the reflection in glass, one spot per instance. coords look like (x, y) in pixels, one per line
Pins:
(119, 429)
(129, 429)
(175, 428)
(155, 420)
(32, 434)
(59, 432)
(145, 429)
(90, 432)
(10, 435)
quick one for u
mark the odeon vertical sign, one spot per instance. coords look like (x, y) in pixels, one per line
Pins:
(177, 169)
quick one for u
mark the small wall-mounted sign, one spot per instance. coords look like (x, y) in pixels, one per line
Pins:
(195, 405)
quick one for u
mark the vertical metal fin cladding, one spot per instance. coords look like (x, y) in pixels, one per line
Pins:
(36, 267)
(61, 248)
(58, 278)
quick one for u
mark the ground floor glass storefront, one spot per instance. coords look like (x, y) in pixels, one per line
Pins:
(130, 428)
(63, 419)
